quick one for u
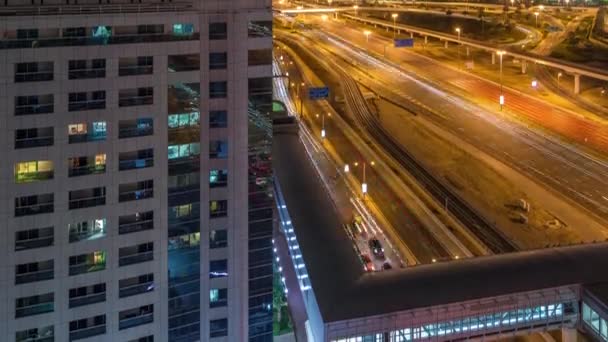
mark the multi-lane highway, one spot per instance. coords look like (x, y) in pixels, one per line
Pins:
(555, 163)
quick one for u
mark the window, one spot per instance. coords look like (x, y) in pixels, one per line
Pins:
(149, 338)
(101, 34)
(136, 191)
(183, 29)
(43, 334)
(75, 32)
(82, 68)
(34, 137)
(87, 230)
(218, 327)
(218, 208)
(33, 205)
(87, 100)
(34, 104)
(218, 268)
(34, 72)
(33, 171)
(86, 295)
(81, 166)
(34, 305)
(136, 222)
(218, 119)
(184, 120)
(142, 65)
(27, 33)
(183, 150)
(34, 271)
(218, 60)
(85, 198)
(135, 254)
(151, 29)
(135, 317)
(218, 298)
(135, 97)
(260, 57)
(87, 263)
(87, 327)
(135, 128)
(218, 238)
(135, 159)
(218, 89)
(81, 132)
(34, 238)
(259, 29)
(218, 149)
(218, 31)
(177, 63)
(218, 178)
(135, 285)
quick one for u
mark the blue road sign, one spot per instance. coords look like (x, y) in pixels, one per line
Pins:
(407, 42)
(318, 93)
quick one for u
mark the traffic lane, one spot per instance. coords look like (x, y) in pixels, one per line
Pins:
(411, 231)
(596, 133)
(506, 139)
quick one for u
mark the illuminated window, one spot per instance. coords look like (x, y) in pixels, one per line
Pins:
(77, 129)
(183, 29)
(184, 150)
(218, 297)
(183, 210)
(32, 171)
(184, 120)
(100, 159)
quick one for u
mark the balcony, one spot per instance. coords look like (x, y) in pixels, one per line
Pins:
(34, 205)
(34, 176)
(135, 195)
(135, 101)
(86, 105)
(130, 322)
(31, 277)
(131, 226)
(132, 164)
(141, 129)
(87, 198)
(133, 70)
(34, 142)
(87, 268)
(92, 169)
(88, 332)
(36, 309)
(77, 74)
(88, 299)
(135, 258)
(39, 242)
(30, 109)
(81, 138)
(132, 290)
(34, 76)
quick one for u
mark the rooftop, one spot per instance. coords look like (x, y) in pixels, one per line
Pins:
(337, 276)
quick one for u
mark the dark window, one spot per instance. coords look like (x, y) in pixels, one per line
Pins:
(218, 119)
(34, 104)
(218, 327)
(218, 268)
(85, 198)
(136, 254)
(43, 334)
(86, 295)
(136, 190)
(178, 63)
(135, 159)
(34, 305)
(36, 204)
(34, 137)
(34, 271)
(27, 33)
(135, 317)
(34, 72)
(218, 298)
(218, 89)
(87, 101)
(218, 60)
(150, 29)
(136, 222)
(135, 97)
(218, 31)
(81, 69)
(135, 285)
(149, 338)
(135, 128)
(75, 32)
(218, 149)
(142, 65)
(34, 238)
(87, 327)
(218, 238)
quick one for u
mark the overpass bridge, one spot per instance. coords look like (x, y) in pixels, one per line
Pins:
(478, 298)
(576, 70)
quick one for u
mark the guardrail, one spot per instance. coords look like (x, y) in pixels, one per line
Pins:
(94, 9)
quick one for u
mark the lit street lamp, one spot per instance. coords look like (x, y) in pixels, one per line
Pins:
(458, 31)
(559, 75)
(367, 33)
(512, 2)
(364, 187)
(394, 15)
(536, 17)
(324, 17)
(356, 7)
(500, 53)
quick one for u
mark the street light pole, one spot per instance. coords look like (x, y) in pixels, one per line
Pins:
(394, 15)
(367, 33)
(559, 75)
(501, 100)
(536, 18)
(356, 7)
(458, 31)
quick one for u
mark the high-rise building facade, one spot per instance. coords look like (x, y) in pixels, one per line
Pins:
(135, 176)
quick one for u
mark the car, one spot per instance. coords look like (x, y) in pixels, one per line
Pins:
(368, 265)
(376, 247)
(386, 265)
